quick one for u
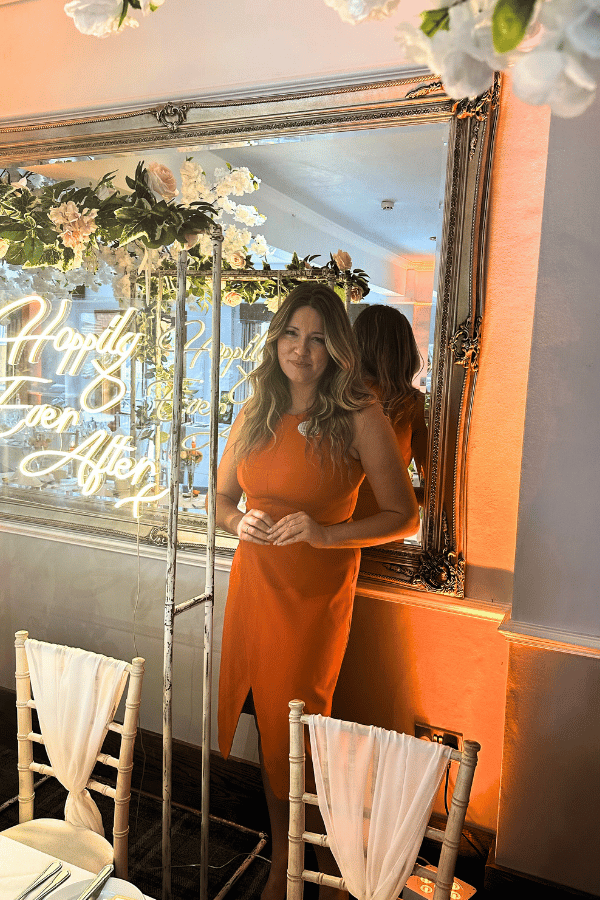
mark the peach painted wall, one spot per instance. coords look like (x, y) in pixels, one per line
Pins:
(407, 664)
(187, 48)
(494, 460)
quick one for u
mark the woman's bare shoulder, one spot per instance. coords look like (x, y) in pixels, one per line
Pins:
(369, 418)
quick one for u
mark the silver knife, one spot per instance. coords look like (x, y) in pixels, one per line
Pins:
(56, 882)
(48, 872)
(96, 883)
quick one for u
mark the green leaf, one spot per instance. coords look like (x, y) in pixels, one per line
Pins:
(60, 186)
(509, 23)
(435, 20)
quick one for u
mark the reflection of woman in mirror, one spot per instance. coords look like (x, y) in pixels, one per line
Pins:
(390, 360)
(298, 450)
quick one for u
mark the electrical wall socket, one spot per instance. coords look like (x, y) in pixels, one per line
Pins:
(419, 888)
(439, 735)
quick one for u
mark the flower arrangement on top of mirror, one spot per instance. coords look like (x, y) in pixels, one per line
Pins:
(103, 17)
(45, 223)
(95, 235)
(550, 47)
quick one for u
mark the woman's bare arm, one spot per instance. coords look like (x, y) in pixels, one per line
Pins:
(254, 525)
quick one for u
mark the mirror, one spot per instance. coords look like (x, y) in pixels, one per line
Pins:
(389, 173)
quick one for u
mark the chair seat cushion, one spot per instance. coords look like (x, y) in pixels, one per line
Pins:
(74, 845)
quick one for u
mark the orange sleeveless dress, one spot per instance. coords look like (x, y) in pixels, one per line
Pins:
(288, 610)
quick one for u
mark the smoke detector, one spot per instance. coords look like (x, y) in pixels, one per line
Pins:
(387, 204)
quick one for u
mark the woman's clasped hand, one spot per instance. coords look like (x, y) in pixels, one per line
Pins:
(258, 527)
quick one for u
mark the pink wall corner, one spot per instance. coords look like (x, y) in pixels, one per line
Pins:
(495, 442)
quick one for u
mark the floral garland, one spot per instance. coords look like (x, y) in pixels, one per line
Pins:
(550, 47)
(98, 235)
(103, 17)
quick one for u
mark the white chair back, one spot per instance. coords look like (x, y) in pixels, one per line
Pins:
(375, 791)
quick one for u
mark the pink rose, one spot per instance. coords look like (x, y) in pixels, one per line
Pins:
(342, 260)
(231, 298)
(161, 180)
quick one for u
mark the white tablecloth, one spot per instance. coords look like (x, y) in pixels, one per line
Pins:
(20, 864)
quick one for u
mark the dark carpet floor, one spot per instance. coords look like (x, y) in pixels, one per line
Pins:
(228, 845)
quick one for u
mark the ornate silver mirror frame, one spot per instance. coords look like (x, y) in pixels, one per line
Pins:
(438, 564)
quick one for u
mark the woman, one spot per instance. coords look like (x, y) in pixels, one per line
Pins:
(390, 359)
(299, 450)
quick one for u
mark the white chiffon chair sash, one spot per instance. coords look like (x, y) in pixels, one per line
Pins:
(376, 789)
(76, 694)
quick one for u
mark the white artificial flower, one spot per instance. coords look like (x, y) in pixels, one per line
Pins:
(259, 246)
(226, 205)
(272, 304)
(583, 31)
(415, 45)
(149, 6)
(462, 55)
(98, 17)
(556, 78)
(353, 11)
(248, 215)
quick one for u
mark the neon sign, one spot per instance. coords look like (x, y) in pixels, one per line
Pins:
(100, 454)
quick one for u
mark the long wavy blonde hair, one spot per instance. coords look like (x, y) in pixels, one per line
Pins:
(390, 358)
(340, 392)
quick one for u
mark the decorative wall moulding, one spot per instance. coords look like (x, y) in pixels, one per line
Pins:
(544, 638)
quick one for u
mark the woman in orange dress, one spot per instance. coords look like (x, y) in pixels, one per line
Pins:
(298, 450)
(390, 359)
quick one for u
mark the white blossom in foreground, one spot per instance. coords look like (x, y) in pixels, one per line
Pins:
(98, 17)
(353, 11)
(103, 17)
(551, 65)
(556, 78)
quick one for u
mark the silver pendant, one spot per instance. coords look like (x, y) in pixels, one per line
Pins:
(303, 428)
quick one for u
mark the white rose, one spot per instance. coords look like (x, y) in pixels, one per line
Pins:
(161, 180)
(238, 261)
(98, 17)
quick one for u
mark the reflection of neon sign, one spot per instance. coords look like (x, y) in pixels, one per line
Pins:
(100, 454)
(114, 341)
